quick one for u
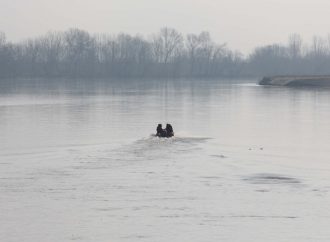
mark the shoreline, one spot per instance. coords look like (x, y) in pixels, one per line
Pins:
(318, 81)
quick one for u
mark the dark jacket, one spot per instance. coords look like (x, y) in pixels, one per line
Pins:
(169, 130)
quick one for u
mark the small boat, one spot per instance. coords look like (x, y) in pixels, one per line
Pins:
(165, 133)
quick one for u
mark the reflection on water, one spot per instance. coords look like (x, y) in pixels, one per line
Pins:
(77, 161)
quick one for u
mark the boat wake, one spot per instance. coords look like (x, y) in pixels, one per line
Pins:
(153, 147)
(146, 149)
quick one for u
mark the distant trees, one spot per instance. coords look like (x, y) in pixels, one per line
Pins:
(80, 55)
(77, 54)
(295, 58)
(2, 38)
(167, 45)
(207, 58)
(269, 60)
(294, 46)
(123, 56)
(7, 57)
(51, 56)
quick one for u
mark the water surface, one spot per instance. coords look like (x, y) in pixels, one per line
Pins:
(248, 163)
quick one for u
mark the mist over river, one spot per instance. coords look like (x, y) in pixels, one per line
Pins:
(78, 161)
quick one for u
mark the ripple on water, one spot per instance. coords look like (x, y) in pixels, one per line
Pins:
(154, 147)
(218, 156)
(267, 178)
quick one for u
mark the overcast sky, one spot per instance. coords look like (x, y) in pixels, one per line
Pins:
(242, 24)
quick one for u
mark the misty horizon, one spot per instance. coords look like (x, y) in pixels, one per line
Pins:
(324, 38)
(166, 53)
(241, 24)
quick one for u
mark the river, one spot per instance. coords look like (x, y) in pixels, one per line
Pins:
(78, 161)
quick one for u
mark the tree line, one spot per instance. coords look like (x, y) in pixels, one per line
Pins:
(77, 54)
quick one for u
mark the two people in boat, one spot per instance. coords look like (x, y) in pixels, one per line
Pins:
(167, 132)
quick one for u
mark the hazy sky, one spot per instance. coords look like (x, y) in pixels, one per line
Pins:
(242, 24)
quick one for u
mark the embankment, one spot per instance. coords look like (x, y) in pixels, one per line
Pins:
(321, 81)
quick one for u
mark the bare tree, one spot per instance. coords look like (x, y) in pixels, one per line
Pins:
(201, 49)
(2, 39)
(318, 47)
(80, 51)
(7, 65)
(295, 44)
(52, 52)
(167, 44)
(192, 45)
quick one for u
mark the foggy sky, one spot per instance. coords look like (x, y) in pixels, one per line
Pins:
(242, 24)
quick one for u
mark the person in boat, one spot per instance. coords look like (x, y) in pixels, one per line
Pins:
(169, 130)
(160, 131)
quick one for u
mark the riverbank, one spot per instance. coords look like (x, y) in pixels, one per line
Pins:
(296, 81)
